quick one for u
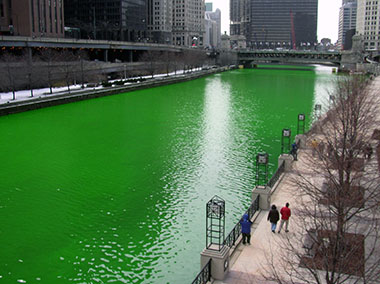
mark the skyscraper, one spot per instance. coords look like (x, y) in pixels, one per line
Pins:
(347, 22)
(368, 23)
(188, 22)
(160, 20)
(240, 14)
(216, 17)
(275, 23)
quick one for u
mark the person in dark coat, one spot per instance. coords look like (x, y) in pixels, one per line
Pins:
(293, 151)
(246, 229)
(273, 217)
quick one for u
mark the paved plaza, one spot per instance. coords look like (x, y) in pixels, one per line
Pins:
(249, 262)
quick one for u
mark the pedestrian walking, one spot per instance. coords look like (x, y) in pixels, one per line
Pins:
(246, 229)
(293, 151)
(273, 217)
(314, 146)
(321, 149)
(368, 151)
(285, 215)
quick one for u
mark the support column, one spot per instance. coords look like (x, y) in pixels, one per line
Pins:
(30, 54)
(265, 197)
(287, 159)
(220, 262)
(130, 56)
(106, 55)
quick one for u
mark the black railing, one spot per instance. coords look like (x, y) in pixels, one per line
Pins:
(276, 175)
(205, 275)
(232, 237)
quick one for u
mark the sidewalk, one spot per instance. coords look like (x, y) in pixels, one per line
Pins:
(248, 263)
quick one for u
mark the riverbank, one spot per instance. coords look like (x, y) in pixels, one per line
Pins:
(45, 99)
(250, 263)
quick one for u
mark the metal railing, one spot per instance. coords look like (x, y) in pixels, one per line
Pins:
(232, 237)
(276, 175)
(205, 275)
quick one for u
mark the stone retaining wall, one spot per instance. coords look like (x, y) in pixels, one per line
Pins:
(41, 102)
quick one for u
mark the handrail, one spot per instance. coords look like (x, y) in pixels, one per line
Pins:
(204, 275)
(232, 237)
(276, 175)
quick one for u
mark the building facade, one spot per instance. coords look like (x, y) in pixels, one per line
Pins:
(160, 20)
(123, 20)
(275, 23)
(211, 31)
(34, 18)
(347, 23)
(240, 14)
(188, 22)
(368, 23)
(215, 18)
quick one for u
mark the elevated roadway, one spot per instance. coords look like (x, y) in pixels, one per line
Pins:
(19, 41)
(104, 50)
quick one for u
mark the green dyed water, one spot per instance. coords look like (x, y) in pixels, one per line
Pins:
(114, 189)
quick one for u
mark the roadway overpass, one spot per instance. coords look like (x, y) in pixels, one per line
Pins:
(252, 57)
(99, 49)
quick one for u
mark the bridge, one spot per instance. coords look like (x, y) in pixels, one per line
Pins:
(252, 57)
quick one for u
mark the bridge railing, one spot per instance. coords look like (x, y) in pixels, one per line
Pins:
(232, 237)
(280, 170)
(204, 275)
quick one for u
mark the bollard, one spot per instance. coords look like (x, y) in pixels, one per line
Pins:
(288, 159)
(301, 141)
(220, 261)
(265, 197)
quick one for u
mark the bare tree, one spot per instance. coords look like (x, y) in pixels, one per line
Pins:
(49, 56)
(68, 61)
(166, 60)
(176, 60)
(9, 74)
(30, 70)
(151, 57)
(339, 199)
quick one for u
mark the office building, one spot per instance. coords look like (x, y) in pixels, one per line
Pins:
(188, 22)
(368, 23)
(347, 24)
(208, 7)
(108, 19)
(216, 18)
(275, 23)
(211, 32)
(160, 20)
(240, 14)
(34, 18)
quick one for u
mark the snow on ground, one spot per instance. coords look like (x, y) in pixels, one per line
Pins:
(24, 95)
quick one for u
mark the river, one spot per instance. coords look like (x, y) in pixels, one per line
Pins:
(114, 189)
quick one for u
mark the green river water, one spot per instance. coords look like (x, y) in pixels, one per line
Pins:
(114, 190)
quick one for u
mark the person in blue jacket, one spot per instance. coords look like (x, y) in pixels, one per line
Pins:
(293, 151)
(246, 229)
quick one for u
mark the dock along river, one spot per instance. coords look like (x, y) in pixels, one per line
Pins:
(114, 189)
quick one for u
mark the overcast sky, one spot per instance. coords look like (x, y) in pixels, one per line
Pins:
(328, 17)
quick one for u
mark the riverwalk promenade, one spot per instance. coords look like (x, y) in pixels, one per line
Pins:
(250, 262)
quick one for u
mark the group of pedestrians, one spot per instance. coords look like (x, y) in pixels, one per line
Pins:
(273, 217)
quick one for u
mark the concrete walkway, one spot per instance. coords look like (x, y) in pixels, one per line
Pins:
(248, 263)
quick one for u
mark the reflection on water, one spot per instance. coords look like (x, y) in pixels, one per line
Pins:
(114, 189)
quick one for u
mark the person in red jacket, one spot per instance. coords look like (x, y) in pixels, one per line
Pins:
(285, 214)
